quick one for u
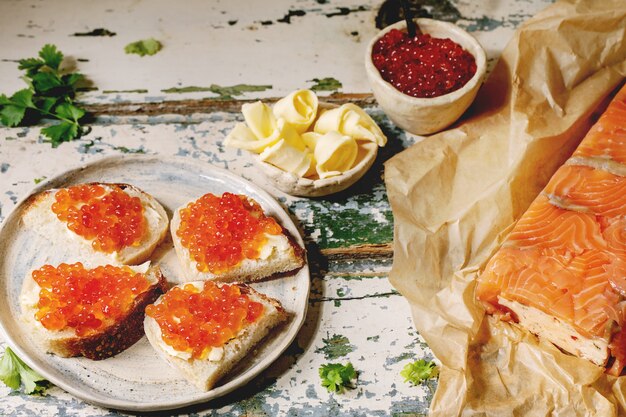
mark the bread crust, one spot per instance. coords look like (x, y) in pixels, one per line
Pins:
(111, 340)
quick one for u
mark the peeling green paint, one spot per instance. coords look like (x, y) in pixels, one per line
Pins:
(290, 14)
(363, 297)
(344, 11)
(325, 84)
(358, 219)
(224, 93)
(357, 276)
(124, 149)
(138, 90)
(335, 347)
(402, 357)
(96, 32)
(483, 23)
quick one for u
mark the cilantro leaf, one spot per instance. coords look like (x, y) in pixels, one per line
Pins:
(51, 56)
(336, 377)
(62, 132)
(418, 371)
(143, 47)
(69, 111)
(31, 65)
(46, 81)
(23, 98)
(14, 373)
(71, 80)
(14, 108)
(11, 115)
(9, 374)
(46, 104)
(50, 94)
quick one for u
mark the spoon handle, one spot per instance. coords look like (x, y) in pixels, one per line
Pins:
(408, 16)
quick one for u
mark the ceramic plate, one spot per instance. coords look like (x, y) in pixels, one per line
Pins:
(137, 379)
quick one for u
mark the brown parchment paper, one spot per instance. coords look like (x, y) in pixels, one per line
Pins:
(455, 195)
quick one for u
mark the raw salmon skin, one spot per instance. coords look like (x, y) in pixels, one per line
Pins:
(566, 255)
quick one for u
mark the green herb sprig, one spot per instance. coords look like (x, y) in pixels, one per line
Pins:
(50, 94)
(337, 377)
(418, 371)
(15, 374)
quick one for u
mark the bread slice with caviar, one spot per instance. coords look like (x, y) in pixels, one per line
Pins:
(205, 328)
(229, 238)
(101, 222)
(96, 313)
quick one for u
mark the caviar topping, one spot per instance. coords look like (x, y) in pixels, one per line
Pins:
(196, 320)
(422, 66)
(220, 232)
(112, 219)
(86, 300)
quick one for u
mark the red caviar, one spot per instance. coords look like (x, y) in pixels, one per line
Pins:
(112, 219)
(194, 320)
(220, 232)
(86, 300)
(422, 66)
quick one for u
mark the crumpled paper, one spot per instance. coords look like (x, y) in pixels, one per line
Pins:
(455, 195)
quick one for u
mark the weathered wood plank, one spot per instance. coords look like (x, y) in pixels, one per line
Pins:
(207, 105)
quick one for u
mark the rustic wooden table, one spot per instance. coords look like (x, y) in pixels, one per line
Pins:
(183, 101)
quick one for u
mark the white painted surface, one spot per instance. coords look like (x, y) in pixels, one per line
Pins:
(350, 299)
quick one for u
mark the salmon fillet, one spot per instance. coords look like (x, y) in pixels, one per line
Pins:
(607, 138)
(561, 272)
(589, 190)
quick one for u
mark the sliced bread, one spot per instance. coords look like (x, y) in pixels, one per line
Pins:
(206, 372)
(108, 341)
(279, 255)
(39, 217)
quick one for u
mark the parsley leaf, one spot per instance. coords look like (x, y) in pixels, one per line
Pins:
(143, 47)
(46, 81)
(45, 104)
(51, 56)
(31, 65)
(336, 377)
(69, 111)
(15, 373)
(23, 98)
(61, 132)
(11, 115)
(50, 94)
(14, 108)
(71, 80)
(418, 371)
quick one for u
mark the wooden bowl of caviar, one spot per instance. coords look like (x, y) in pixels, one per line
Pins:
(425, 83)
